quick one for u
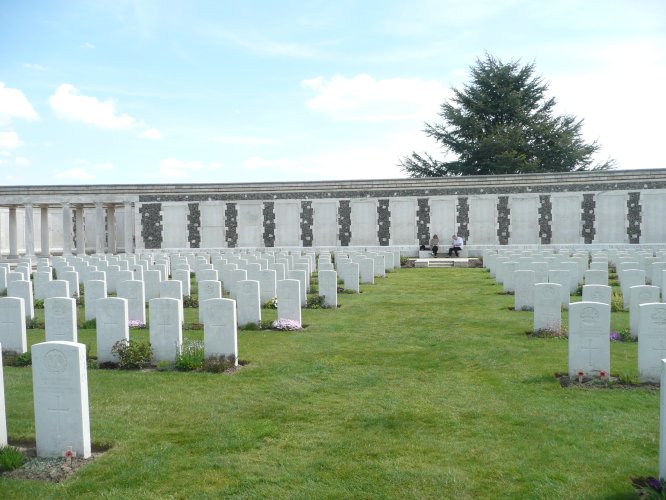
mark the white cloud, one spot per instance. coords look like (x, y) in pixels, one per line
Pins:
(106, 166)
(14, 104)
(36, 67)
(173, 167)
(151, 133)
(363, 98)
(87, 46)
(245, 140)
(68, 104)
(10, 140)
(21, 161)
(75, 174)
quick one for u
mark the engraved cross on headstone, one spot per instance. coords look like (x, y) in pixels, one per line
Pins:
(589, 348)
(58, 412)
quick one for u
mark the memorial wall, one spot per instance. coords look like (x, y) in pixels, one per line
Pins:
(611, 207)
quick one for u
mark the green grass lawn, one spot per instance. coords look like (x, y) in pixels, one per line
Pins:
(423, 386)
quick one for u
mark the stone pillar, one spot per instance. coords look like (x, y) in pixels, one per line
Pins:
(80, 232)
(111, 221)
(100, 232)
(13, 234)
(66, 229)
(129, 226)
(29, 230)
(46, 245)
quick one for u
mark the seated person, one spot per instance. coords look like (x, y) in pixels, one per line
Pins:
(434, 245)
(456, 245)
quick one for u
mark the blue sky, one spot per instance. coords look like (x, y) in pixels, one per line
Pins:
(160, 91)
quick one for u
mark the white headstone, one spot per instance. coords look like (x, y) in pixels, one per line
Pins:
(151, 283)
(548, 307)
(60, 387)
(12, 325)
(328, 287)
(367, 271)
(248, 305)
(280, 270)
(23, 290)
(234, 277)
(524, 290)
(3, 412)
(72, 278)
(509, 282)
(651, 341)
(301, 276)
(208, 289)
(183, 276)
(289, 300)
(207, 275)
(133, 291)
(60, 319)
(166, 332)
(630, 277)
(641, 294)
(349, 272)
(112, 326)
(56, 288)
(92, 290)
(39, 280)
(589, 342)
(561, 277)
(597, 293)
(267, 285)
(596, 277)
(220, 331)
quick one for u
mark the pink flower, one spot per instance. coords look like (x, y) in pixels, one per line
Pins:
(603, 374)
(580, 373)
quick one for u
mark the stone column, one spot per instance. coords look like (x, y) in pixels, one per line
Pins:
(66, 229)
(80, 232)
(29, 230)
(100, 232)
(13, 234)
(111, 222)
(129, 226)
(46, 244)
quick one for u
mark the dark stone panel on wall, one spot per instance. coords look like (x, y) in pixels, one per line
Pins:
(416, 192)
(269, 224)
(231, 225)
(344, 222)
(307, 219)
(194, 225)
(383, 222)
(74, 229)
(545, 219)
(463, 218)
(635, 217)
(503, 220)
(587, 217)
(423, 221)
(151, 224)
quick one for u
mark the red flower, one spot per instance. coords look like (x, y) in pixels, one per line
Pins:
(603, 374)
(580, 373)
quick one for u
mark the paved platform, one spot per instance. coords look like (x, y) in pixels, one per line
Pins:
(443, 262)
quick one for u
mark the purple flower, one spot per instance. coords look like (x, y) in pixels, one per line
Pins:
(615, 337)
(656, 484)
(286, 324)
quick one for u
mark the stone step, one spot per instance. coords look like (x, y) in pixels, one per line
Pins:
(440, 263)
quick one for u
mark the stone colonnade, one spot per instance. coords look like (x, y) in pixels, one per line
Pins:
(73, 228)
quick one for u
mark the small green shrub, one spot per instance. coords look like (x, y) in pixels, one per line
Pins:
(191, 356)
(315, 302)
(12, 358)
(132, 354)
(39, 304)
(617, 302)
(271, 304)
(10, 458)
(33, 324)
(190, 301)
(164, 366)
(403, 261)
(219, 364)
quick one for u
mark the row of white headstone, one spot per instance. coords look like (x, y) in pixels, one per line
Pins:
(589, 320)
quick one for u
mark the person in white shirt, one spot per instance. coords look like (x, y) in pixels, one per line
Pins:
(456, 245)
